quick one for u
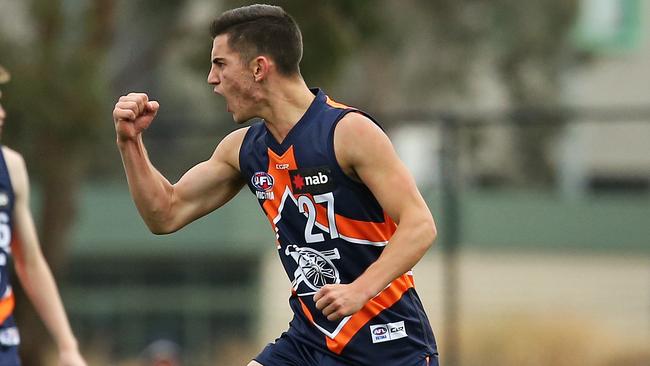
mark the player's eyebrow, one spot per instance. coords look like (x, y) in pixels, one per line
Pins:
(218, 59)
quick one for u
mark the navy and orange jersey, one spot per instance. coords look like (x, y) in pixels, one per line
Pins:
(329, 229)
(6, 210)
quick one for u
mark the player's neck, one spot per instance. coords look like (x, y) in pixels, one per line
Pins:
(287, 103)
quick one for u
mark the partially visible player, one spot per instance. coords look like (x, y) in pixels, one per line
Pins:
(349, 220)
(18, 237)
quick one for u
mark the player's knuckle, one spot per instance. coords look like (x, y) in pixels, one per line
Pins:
(324, 289)
(141, 97)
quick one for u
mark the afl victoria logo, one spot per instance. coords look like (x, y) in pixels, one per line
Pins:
(262, 181)
(379, 331)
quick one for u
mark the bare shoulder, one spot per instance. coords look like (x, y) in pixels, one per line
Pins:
(355, 134)
(358, 140)
(17, 170)
(14, 160)
(234, 139)
(354, 125)
(228, 149)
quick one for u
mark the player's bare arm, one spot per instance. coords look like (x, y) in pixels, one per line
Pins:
(167, 207)
(365, 153)
(32, 270)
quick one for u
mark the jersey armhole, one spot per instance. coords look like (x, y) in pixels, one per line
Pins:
(347, 180)
(243, 168)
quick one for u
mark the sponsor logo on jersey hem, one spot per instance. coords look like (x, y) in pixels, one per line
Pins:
(4, 199)
(312, 180)
(9, 337)
(387, 332)
(263, 183)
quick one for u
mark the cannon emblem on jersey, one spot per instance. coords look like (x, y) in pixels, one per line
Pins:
(315, 269)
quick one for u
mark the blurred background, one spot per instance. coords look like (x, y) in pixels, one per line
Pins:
(526, 124)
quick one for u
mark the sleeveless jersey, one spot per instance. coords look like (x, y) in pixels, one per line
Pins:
(329, 229)
(6, 210)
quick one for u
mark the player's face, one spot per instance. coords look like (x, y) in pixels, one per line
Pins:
(233, 80)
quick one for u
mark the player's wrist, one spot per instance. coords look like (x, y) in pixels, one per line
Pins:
(364, 289)
(125, 141)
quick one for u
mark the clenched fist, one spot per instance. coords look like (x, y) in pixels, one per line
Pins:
(133, 114)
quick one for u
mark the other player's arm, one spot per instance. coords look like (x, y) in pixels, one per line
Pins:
(32, 270)
(167, 207)
(365, 153)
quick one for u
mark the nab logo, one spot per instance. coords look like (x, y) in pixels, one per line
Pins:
(263, 183)
(312, 180)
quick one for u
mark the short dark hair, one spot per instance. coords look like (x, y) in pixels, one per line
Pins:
(262, 30)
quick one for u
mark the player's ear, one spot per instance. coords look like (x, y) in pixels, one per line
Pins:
(261, 66)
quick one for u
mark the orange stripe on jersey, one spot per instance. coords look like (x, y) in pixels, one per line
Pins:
(334, 104)
(387, 298)
(356, 229)
(279, 167)
(365, 230)
(7, 307)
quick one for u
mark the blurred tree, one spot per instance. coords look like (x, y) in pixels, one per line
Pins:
(533, 53)
(434, 55)
(56, 108)
(452, 35)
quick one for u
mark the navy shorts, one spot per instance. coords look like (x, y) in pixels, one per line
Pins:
(286, 351)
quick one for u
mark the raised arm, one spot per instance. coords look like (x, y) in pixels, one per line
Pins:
(32, 270)
(365, 153)
(167, 207)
